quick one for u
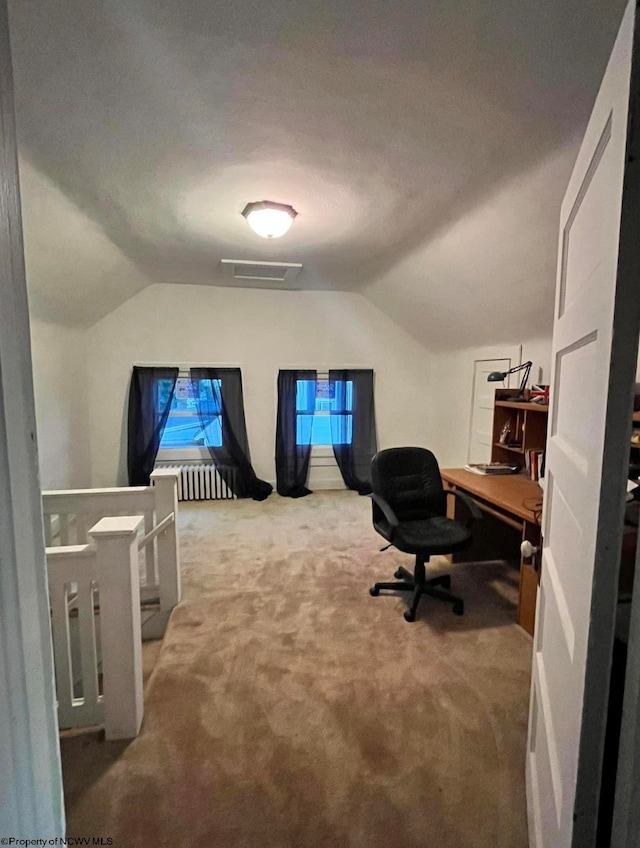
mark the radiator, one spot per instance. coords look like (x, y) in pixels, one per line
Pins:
(203, 481)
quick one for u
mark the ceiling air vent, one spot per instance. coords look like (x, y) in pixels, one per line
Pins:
(272, 274)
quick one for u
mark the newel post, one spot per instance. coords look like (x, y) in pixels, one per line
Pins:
(165, 484)
(116, 540)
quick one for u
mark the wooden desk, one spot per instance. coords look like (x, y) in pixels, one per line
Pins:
(512, 506)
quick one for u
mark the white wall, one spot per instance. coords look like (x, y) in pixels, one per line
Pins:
(259, 331)
(452, 390)
(422, 397)
(60, 388)
(75, 274)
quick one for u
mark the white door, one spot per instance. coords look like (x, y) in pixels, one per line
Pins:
(483, 396)
(593, 371)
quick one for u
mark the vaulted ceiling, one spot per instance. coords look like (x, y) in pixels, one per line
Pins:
(145, 126)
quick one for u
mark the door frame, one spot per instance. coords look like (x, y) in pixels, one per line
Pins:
(512, 352)
(626, 812)
(31, 797)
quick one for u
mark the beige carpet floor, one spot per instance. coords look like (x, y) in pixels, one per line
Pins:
(289, 709)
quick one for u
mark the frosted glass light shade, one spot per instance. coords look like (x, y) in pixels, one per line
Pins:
(268, 219)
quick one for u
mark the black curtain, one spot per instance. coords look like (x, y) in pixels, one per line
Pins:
(149, 406)
(353, 426)
(225, 399)
(293, 432)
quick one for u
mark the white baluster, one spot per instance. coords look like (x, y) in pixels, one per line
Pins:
(165, 481)
(116, 541)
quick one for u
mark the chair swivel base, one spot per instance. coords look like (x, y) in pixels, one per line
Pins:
(419, 585)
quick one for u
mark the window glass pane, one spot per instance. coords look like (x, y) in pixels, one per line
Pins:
(330, 396)
(304, 396)
(164, 390)
(349, 403)
(325, 399)
(343, 396)
(317, 429)
(209, 393)
(187, 431)
(185, 428)
(321, 430)
(303, 429)
(341, 428)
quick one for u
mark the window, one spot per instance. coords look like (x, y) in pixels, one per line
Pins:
(185, 427)
(315, 422)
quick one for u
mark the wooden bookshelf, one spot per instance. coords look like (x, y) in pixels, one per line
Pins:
(529, 430)
(527, 424)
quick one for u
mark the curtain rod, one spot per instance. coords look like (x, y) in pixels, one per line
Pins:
(324, 369)
(185, 365)
(320, 369)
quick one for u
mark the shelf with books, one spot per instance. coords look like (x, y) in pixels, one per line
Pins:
(534, 464)
(524, 424)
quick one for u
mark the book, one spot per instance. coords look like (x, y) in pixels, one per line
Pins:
(490, 468)
(534, 464)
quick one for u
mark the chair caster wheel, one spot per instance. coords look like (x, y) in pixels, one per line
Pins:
(458, 608)
(374, 591)
(408, 616)
(398, 574)
(446, 582)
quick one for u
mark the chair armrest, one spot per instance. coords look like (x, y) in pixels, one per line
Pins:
(386, 510)
(471, 505)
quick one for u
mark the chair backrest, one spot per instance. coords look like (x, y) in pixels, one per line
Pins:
(409, 481)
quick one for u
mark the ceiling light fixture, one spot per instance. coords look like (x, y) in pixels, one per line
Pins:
(268, 219)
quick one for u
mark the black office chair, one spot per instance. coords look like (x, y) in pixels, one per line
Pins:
(409, 511)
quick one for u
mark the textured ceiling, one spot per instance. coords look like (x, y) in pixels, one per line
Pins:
(489, 276)
(383, 123)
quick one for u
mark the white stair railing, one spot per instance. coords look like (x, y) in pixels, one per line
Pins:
(96, 590)
(104, 573)
(69, 513)
(165, 488)
(116, 540)
(73, 577)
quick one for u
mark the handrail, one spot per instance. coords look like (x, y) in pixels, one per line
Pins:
(159, 528)
(106, 557)
(62, 552)
(88, 501)
(107, 490)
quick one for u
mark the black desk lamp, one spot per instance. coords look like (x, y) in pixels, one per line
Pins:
(499, 376)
